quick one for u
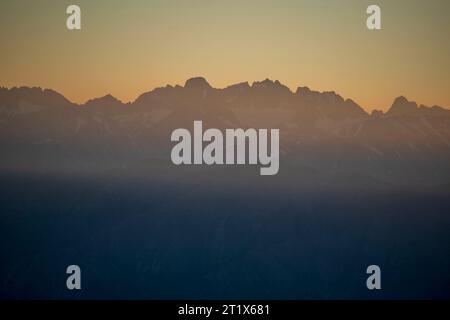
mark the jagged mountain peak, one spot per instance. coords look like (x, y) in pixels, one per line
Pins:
(376, 113)
(105, 98)
(401, 106)
(266, 92)
(272, 86)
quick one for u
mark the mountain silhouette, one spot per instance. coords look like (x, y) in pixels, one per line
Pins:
(402, 106)
(105, 101)
(323, 136)
(198, 83)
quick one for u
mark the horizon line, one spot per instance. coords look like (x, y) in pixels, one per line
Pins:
(276, 82)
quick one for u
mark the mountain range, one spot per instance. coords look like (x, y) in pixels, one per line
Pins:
(325, 139)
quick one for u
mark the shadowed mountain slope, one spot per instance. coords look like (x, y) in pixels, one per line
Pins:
(324, 137)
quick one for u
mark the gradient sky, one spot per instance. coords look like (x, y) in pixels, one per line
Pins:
(129, 47)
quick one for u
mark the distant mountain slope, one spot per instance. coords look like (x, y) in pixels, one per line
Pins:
(320, 131)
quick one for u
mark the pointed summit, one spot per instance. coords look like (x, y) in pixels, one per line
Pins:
(402, 106)
(303, 91)
(107, 100)
(264, 84)
(376, 114)
(109, 97)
